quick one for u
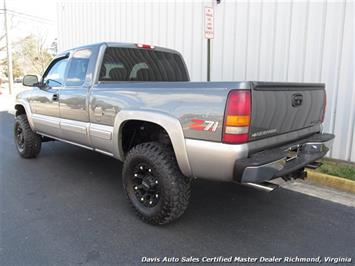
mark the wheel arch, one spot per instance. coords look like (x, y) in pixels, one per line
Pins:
(169, 123)
(23, 107)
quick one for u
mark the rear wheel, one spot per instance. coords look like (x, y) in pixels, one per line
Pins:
(156, 188)
(28, 143)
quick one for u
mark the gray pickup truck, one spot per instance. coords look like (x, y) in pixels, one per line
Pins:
(135, 102)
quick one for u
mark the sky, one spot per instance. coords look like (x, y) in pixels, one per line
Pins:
(31, 17)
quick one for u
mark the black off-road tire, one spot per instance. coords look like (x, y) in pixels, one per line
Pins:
(174, 188)
(30, 144)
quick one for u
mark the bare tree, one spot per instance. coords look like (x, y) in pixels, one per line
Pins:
(30, 56)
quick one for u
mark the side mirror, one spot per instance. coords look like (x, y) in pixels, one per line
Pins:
(30, 80)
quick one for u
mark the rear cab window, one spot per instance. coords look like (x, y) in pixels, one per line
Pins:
(137, 64)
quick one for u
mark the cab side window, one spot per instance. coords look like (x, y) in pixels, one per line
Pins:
(78, 67)
(55, 75)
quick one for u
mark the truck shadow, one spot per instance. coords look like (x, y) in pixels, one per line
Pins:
(212, 203)
(218, 212)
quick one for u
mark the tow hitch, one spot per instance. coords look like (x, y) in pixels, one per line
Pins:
(299, 174)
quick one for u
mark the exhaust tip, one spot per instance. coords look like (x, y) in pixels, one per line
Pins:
(264, 186)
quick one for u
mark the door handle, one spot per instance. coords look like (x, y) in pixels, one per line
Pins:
(55, 97)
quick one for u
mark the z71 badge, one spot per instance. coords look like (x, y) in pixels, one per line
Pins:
(204, 125)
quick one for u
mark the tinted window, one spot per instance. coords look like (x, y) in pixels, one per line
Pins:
(77, 71)
(78, 67)
(55, 75)
(131, 64)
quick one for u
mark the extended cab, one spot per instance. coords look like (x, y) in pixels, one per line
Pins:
(135, 103)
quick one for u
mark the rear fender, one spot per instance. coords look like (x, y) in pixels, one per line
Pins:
(170, 124)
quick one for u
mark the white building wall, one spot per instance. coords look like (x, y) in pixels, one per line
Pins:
(301, 41)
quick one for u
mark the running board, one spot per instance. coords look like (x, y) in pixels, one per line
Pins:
(264, 186)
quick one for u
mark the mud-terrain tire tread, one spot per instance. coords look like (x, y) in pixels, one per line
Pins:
(177, 188)
(33, 142)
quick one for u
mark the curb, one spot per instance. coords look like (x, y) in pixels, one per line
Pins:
(331, 181)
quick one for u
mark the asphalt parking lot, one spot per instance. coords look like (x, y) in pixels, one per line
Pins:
(68, 207)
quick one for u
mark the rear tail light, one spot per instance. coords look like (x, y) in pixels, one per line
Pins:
(237, 117)
(324, 106)
(141, 45)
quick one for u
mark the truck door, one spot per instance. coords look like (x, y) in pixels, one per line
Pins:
(73, 99)
(44, 101)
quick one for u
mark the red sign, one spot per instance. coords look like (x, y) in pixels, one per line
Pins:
(209, 23)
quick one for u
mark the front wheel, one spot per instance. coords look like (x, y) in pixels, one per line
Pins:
(28, 143)
(156, 188)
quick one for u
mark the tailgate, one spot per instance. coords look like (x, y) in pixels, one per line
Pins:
(279, 108)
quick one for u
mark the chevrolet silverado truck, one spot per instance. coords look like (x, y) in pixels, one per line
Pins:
(135, 102)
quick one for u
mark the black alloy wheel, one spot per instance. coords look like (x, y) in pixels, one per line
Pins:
(19, 137)
(145, 185)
